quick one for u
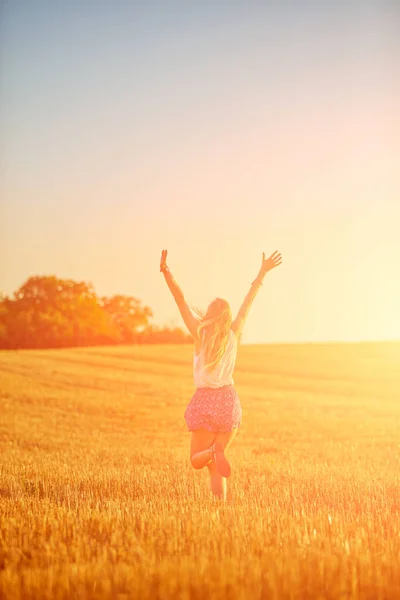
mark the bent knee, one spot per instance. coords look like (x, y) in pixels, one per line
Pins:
(199, 464)
(194, 463)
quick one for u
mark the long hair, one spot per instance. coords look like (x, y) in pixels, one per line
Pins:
(213, 331)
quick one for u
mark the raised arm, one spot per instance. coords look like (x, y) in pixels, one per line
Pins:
(190, 321)
(267, 264)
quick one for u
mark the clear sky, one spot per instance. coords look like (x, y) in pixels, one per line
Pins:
(217, 130)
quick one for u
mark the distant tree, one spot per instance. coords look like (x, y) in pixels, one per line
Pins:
(48, 312)
(3, 320)
(164, 335)
(127, 315)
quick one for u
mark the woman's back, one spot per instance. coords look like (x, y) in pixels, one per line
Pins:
(222, 373)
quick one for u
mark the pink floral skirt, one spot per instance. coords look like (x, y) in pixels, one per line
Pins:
(215, 409)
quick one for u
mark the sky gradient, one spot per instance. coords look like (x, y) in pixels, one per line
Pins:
(215, 130)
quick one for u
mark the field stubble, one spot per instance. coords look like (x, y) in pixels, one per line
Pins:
(98, 499)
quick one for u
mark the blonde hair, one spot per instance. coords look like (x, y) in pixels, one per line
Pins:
(213, 331)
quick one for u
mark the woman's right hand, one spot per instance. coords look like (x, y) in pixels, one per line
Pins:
(271, 262)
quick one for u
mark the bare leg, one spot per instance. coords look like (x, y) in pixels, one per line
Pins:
(201, 459)
(218, 482)
(200, 447)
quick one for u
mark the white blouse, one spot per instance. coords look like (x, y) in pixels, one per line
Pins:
(222, 374)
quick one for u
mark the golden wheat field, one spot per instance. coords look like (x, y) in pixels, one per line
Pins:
(98, 498)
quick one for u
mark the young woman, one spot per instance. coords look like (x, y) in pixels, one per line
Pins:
(214, 413)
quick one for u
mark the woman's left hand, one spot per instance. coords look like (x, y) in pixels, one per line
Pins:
(163, 262)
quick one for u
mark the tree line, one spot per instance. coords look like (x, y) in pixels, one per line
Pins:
(48, 312)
